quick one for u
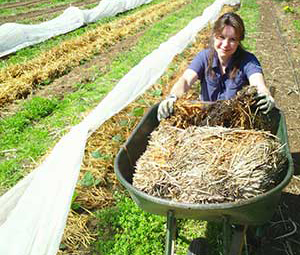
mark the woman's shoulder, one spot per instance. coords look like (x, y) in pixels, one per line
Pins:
(249, 62)
(204, 54)
(248, 56)
(206, 51)
(200, 61)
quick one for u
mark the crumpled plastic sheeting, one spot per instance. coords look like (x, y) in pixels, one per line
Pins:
(33, 213)
(106, 8)
(14, 37)
(35, 226)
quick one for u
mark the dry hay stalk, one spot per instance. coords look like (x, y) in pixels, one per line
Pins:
(17, 80)
(77, 236)
(208, 164)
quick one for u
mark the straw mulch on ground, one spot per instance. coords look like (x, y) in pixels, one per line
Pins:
(211, 153)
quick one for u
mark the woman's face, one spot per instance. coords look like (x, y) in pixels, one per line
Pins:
(226, 43)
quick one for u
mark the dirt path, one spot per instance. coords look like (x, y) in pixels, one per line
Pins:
(278, 56)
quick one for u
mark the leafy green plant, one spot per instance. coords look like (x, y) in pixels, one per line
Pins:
(74, 205)
(88, 180)
(39, 108)
(99, 155)
(126, 229)
(156, 93)
(137, 111)
(33, 110)
(117, 138)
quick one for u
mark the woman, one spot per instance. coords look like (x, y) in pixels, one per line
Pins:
(223, 69)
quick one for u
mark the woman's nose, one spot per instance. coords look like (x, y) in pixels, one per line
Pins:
(225, 43)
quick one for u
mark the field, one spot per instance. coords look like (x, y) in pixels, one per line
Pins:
(48, 88)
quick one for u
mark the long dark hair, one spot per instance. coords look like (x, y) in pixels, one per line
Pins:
(234, 20)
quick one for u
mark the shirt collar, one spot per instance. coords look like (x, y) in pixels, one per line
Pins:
(216, 62)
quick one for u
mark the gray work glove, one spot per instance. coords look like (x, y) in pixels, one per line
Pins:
(165, 108)
(265, 102)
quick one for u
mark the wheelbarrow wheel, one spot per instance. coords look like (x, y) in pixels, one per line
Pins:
(198, 246)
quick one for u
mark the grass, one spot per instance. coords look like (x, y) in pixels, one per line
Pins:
(250, 14)
(17, 134)
(8, 1)
(296, 24)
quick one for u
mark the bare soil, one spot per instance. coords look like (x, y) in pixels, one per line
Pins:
(86, 72)
(278, 50)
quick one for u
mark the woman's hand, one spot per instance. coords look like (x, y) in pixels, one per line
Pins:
(165, 108)
(265, 102)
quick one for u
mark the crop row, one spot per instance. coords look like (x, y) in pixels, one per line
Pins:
(19, 80)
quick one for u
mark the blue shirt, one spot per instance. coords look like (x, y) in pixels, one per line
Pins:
(221, 87)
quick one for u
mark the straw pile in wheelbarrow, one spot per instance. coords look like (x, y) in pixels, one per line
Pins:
(209, 164)
(238, 112)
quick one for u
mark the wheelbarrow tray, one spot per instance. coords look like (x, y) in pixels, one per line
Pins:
(253, 211)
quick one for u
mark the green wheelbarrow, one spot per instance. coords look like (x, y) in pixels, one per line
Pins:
(252, 212)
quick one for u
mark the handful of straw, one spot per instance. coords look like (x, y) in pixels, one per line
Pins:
(208, 164)
(239, 111)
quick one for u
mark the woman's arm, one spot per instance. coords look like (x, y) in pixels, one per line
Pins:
(165, 108)
(184, 83)
(257, 79)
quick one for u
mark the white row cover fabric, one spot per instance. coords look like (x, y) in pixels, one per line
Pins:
(14, 37)
(33, 213)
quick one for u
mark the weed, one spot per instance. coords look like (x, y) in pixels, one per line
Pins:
(39, 107)
(288, 9)
(32, 110)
